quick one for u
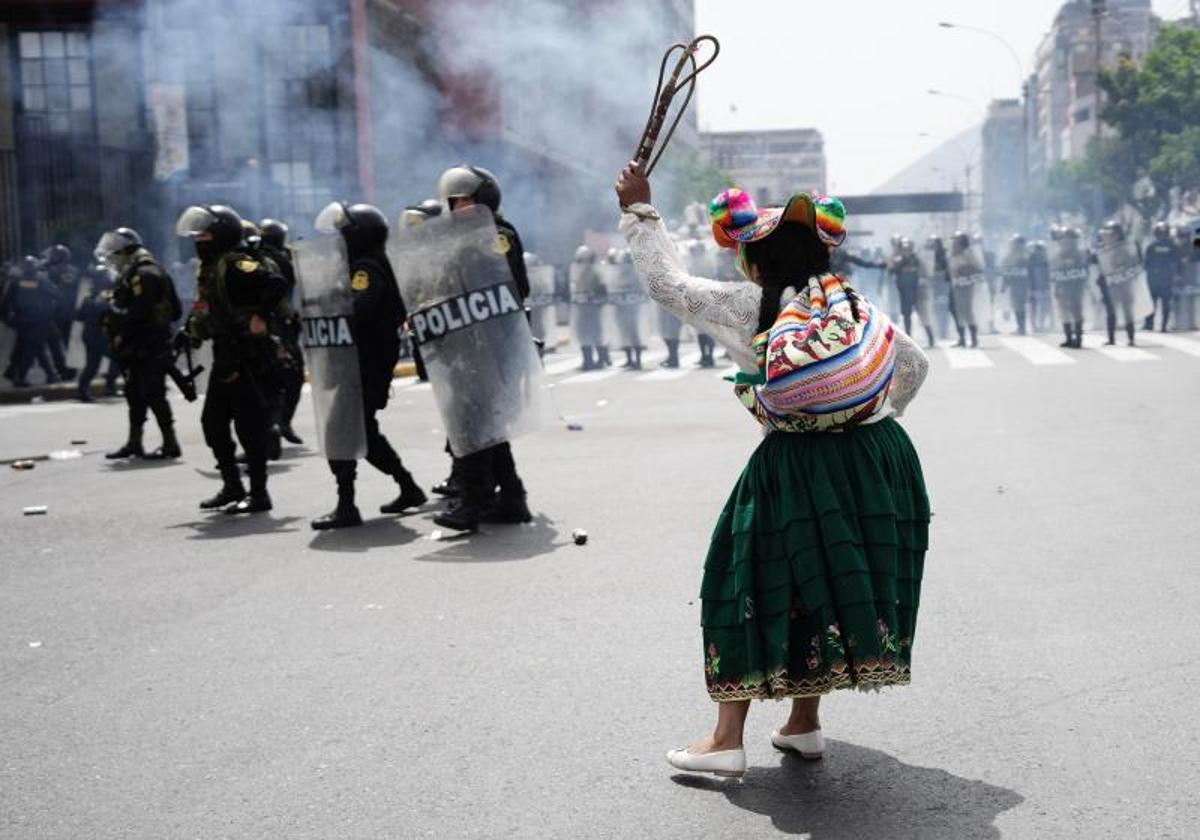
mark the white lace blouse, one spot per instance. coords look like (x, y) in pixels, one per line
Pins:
(729, 311)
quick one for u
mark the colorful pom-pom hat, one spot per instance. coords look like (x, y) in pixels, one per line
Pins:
(736, 220)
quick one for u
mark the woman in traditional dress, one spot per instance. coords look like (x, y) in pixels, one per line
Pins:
(813, 574)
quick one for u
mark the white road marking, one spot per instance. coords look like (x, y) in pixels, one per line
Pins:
(1036, 352)
(1117, 352)
(962, 358)
(1175, 342)
(671, 374)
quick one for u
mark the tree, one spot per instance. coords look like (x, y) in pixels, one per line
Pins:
(1155, 109)
(1154, 150)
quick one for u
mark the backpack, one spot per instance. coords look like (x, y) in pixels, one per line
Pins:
(826, 363)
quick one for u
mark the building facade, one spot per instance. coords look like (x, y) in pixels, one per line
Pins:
(124, 112)
(1062, 92)
(770, 165)
(1003, 169)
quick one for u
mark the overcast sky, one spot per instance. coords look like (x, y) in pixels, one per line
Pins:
(859, 71)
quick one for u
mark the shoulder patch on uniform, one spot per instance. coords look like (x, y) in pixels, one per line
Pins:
(503, 244)
(248, 266)
(360, 280)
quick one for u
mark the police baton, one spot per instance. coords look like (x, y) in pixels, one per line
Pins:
(645, 156)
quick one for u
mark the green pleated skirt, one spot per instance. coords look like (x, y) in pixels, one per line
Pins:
(813, 575)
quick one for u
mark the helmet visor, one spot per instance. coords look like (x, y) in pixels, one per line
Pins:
(332, 219)
(193, 222)
(109, 244)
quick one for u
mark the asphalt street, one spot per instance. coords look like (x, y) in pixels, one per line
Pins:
(170, 674)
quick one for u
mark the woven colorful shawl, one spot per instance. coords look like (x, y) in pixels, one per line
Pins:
(821, 368)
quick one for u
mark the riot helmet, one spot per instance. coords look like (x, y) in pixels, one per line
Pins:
(1112, 232)
(960, 242)
(473, 182)
(57, 255)
(906, 245)
(363, 228)
(415, 214)
(611, 255)
(1017, 242)
(584, 254)
(251, 235)
(115, 246)
(531, 259)
(214, 229)
(274, 233)
(1162, 231)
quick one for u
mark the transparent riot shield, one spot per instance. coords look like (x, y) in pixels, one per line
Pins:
(1126, 278)
(465, 315)
(631, 307)
(970, 297)
(1071, 284)
(588, 300)
(542, 317)
(326, 307)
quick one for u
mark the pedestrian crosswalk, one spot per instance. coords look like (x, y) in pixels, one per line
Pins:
(1044, 351)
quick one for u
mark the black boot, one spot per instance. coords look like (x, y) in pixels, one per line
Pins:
(411, 495)
(231, 491)
(132, 447)
(637, 358)
(589, 360)
(345, 515)
(672, 353)
(629, 363)
(1020, 323)
(258, 501)
(1070, 342)
(254, 503)
(170, 448)
(962, 338)
(1110, 324)
(274, 446)
(509, 509)
(1078, 335)
(463, 516)
(1129, 333)
(290, 435)
(603, 359)
(929, 336)
(974, 335)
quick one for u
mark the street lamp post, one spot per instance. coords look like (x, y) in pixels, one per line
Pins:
(1024, 88)
(967, 159)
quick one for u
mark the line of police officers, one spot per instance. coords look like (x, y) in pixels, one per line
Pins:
(1040, 284)
(243, 306)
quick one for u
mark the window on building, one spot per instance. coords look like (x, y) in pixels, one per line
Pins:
(56, 80)
(301, 118)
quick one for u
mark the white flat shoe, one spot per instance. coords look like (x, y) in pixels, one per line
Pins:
(727, 763)
(810, 745)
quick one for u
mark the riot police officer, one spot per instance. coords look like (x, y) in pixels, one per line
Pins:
(968, 287)
(235, 297)
(458, 188)
(92, 312)
(1015, 273)
(907, 270)
(286, 324)
(1164, 268)
(1122, 282)
(378, 313)
(1039, 287)
(138, 325)
(1069, 271)
(31, 302)
(66, 280)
